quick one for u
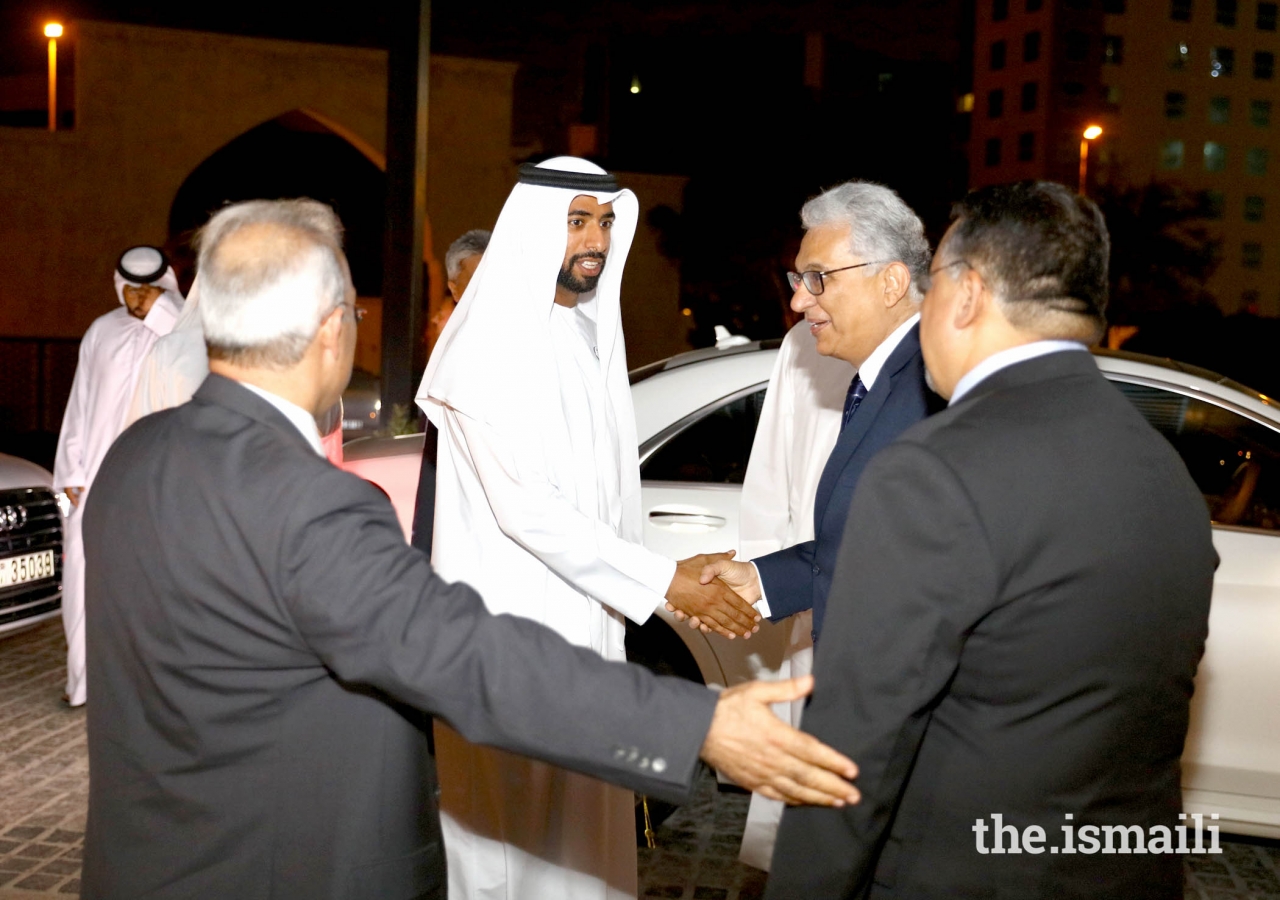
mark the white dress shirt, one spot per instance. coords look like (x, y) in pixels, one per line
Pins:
(297, 416)
(1005, 358)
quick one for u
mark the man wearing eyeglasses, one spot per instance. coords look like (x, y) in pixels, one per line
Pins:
(859, 282)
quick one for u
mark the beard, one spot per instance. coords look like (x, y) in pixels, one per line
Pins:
(571, 282)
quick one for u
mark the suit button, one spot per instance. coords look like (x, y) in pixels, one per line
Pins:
(644, 763)
(619, 752)
(816, 570)
(659, 765)
(633, 755)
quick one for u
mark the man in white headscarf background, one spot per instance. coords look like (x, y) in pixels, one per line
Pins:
(111, 353)
(799, 424)
(538, 508)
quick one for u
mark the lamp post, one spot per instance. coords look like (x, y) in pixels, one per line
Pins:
(53, 31)
(1089, 134)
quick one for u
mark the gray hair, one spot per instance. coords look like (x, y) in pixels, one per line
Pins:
(881, 227)
(270, 272)
(473, 243)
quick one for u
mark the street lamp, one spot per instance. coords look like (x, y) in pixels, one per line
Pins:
(53, 31)
(1090, 133)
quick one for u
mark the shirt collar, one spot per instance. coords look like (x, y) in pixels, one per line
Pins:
(297, 416)
(869, 371)
(1005, 358)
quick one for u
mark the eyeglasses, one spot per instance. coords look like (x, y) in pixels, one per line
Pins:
(813, 281)
(954, 262)
(359, 312)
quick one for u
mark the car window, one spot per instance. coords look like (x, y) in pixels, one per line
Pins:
(714, 449)
(1234, 460)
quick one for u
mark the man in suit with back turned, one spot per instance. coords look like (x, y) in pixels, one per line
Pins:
(264, 645)
(1020, 602)
(860, 269)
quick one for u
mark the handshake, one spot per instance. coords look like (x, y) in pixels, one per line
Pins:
(714, 593)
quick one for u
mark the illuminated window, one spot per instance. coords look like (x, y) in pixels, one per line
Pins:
(1254, 208)
(1255, 161)
(999, 10)
(992, 157)
(1172, 154)
(1219, 110)
(965, 103)
(1179, 55)
(1260, 113)
(1266, 17)
(1224, 13)
(1264, 65)
(1030, 96)
(1251, 255)
(997, 55)
(1222, 62)
(1031, 46)
(1215, 157)
(1175, 105)
(1112, 50)
(1180, 10)
(995, 104)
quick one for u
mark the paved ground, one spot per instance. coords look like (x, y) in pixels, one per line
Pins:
(43, 783)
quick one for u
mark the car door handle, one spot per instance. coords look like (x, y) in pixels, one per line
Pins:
(686, 522)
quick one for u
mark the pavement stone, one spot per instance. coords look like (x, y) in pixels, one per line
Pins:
(44, 796)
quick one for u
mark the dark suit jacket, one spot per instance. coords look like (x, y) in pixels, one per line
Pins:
(797, 578)
(1015, 625)
(260, 639)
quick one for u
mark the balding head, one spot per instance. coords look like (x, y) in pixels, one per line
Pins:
(270, 272)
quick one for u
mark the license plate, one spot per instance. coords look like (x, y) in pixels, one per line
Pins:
(21, 569)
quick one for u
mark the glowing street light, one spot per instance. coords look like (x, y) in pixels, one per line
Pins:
(1090, 133)
(53, 31)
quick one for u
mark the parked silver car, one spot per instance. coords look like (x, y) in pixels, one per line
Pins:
(696, 417)
(30, 545)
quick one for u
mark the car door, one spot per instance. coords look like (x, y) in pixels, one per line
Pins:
(691, 476)
(1232, 760)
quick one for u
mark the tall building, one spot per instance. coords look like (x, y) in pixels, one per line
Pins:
(1185, 91)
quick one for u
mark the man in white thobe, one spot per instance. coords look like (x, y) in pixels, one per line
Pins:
(175, 366)
(538, 508)
(798, 427)
(110, 355)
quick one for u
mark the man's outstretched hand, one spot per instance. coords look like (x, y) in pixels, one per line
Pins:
(709, 605)
(759, 751)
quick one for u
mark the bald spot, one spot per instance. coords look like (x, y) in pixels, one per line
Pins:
(244, 260)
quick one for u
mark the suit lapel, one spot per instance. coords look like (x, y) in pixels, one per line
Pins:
(863, 420)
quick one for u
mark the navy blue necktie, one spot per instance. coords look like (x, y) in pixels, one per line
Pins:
(857, 390)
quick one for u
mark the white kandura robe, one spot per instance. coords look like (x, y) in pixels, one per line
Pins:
(534, 546)
(799, 424)
(110, 354)
(176, 365)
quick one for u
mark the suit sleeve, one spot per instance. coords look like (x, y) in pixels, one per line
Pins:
(914, 575)
(580, 549)
(787, 579)
(373, 610)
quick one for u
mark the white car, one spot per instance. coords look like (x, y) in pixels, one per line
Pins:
(30, 545)
(696, 417)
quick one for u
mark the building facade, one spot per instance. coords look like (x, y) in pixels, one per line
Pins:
(1185, 92)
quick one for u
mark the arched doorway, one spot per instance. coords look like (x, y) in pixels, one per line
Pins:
(297, 154)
